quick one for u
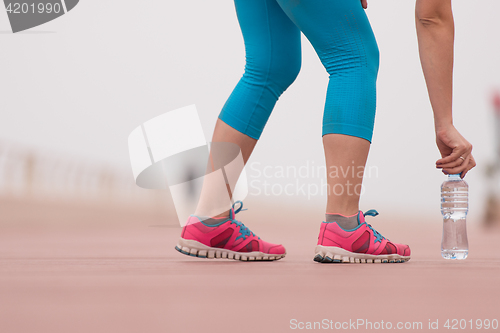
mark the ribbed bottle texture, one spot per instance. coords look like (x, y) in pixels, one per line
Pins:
(454, 207)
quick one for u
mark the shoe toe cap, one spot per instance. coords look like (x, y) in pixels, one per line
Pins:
(277, 249)
(403, 250)
(272, 248)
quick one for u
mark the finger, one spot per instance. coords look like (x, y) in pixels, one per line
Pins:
(450, 158)
(472, 164)
(364, 4)
(458, 169)
(457, 162)
(456, 153)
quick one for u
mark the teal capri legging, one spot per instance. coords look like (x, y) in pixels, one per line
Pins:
(340, 33)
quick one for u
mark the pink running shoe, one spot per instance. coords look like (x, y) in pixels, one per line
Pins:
(361, 244)
(228, 239)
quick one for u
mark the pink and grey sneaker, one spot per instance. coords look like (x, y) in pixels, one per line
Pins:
(361, 244)
(228, 239)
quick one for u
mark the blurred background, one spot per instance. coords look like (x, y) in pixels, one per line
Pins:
(73, 89)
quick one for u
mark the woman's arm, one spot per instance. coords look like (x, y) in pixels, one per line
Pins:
(435, 32)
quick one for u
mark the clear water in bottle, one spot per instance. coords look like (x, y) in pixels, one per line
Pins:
(454, 207)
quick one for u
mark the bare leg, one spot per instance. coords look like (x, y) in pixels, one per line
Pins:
(225, 133)
(345, 162)
(218, 154)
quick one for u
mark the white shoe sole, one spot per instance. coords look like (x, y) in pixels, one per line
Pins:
(331, 254)
(197, 249)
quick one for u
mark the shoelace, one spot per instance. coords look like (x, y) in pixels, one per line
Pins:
(378, 236)
(244, 231)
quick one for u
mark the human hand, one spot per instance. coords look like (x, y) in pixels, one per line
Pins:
(455, 152)
(364, 3)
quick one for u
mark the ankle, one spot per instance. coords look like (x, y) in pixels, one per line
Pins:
(342, 210)
(222, 215)
(345, 222)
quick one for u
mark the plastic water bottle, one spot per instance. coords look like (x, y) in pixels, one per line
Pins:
(454, 207)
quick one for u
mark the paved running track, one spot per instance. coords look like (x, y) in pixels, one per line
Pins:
(77, 269)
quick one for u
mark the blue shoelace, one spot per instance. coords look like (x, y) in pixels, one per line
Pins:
(378, 236)
(244, 231)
